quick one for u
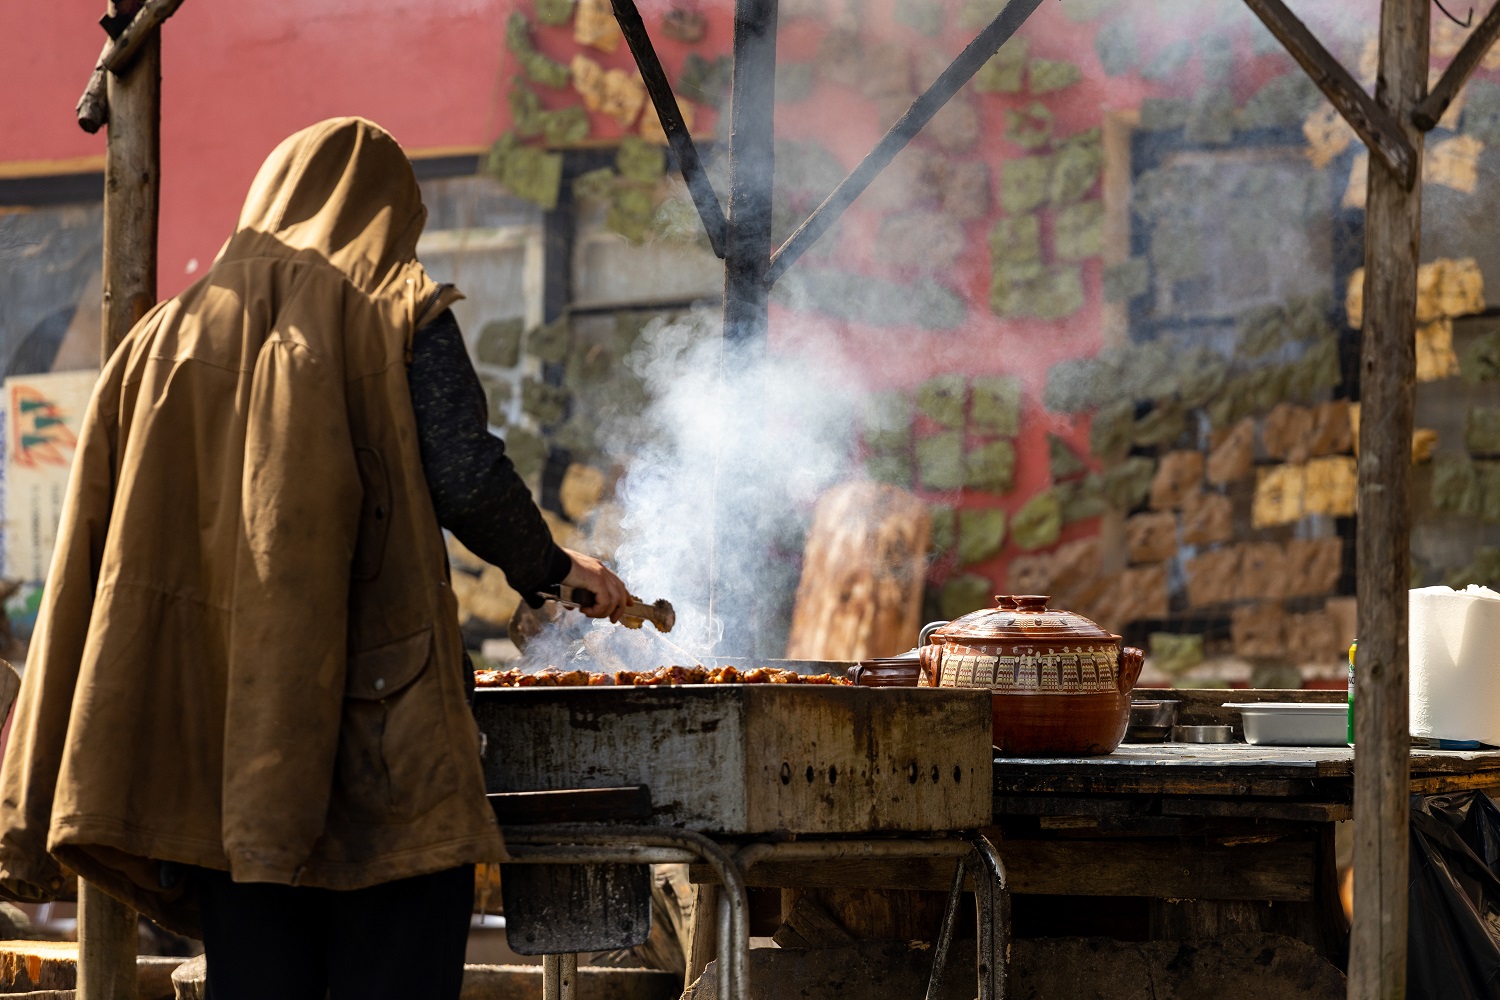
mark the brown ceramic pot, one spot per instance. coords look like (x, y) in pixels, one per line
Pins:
(1060, 683)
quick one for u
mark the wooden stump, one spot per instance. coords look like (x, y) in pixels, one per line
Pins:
(862, 575)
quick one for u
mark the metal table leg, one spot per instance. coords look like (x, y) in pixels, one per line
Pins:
(992, 900)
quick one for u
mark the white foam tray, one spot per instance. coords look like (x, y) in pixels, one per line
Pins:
(1294, 724)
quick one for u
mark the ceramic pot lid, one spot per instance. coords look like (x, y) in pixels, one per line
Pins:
(1023, 619)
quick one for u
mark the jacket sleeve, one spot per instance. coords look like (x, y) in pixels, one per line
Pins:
(39, 727)
(475, 488)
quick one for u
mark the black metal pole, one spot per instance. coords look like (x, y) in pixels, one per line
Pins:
(738, 542)
(672, 123)
(968, 62)
(752, 160)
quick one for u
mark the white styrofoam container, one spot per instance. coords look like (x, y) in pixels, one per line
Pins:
(1294, 724)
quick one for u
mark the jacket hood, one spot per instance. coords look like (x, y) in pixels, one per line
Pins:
(342, 189)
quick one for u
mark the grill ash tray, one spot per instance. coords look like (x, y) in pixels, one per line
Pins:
(753, 758)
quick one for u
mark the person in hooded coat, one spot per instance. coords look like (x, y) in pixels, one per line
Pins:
(244, 710)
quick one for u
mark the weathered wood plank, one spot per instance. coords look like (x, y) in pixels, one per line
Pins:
(1308, 812)
(1192, 869)
(1382, 785)
(1376, 126)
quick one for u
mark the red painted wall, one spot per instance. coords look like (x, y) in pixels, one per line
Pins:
(240, 77)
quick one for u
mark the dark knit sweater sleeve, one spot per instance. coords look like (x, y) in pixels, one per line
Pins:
(475, 489)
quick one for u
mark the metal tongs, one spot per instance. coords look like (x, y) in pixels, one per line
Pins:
(635, 614)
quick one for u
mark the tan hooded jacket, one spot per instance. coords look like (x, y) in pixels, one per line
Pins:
(248, 655)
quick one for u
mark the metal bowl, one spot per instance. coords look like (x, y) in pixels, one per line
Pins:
(1151, 721)
(1203, 734)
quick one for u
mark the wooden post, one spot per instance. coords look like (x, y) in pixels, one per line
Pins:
(1393, 222)
(107, 927)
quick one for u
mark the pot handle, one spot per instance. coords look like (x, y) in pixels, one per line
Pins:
(930, 661)
(927, 631)
(1132, 659)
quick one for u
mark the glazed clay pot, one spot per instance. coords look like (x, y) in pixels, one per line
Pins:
(1060, 683)
(887, 671)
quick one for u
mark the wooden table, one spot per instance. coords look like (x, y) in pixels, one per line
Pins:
(1168, 841)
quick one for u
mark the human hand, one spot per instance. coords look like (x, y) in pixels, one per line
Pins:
(610, 595)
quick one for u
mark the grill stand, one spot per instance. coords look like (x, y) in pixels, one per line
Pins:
(587, 844)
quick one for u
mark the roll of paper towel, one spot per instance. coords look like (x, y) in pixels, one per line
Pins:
(1455, 663)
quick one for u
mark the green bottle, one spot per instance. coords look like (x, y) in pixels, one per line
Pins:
(1352, 646)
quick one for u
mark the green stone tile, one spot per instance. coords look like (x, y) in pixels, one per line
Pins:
(1049, 75)
(1174, 653)
(1126, 280)
(1004, 72)
(1112, 429)
(944, 528)
(1210, 118)
(1127, 485)
(996, 406)
(896, 470)
(1079, 231)
(1282, 102)
(1168, 62)
(1079, 163)
(1261, 331)
(1029, 127)
(1024, 183)
(550, 342)
(943, 398)
(1164, 425)
(990, 466)
(887, 422)
(527, 452)
(1162, 114)
(630, 212)
(965, 592)
(538, 68)
(1081, 499)
(1488, 474)
(1016, 240)
(1482, 430)
(1455, 485)
(981, 533)
(1480, 360)
(1481, 114)
(497, 396)
(641, 161)
(525, 171)
(547, 404)
(1038, 523)
(554, 13)
(1072, 386)
(1063, 461)
(940, 460)
(500, 342)
(1201, 373)
(1310, 377)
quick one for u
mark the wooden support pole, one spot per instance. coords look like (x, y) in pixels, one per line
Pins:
(1374, 124)
(107, 927)
(131, 192)
(1432, 109)
(116, 56)
(1393, 224)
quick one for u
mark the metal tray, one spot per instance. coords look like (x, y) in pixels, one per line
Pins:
(754, 758)
(1294, 724)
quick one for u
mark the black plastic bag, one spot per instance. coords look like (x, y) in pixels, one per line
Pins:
(1453, 950)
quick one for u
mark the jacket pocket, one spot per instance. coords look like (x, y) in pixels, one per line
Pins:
(374, 513)
(395, 759)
